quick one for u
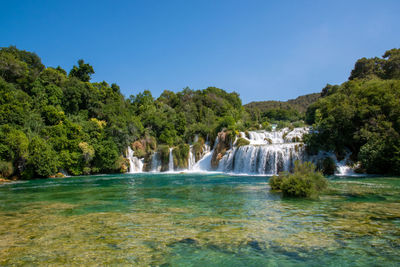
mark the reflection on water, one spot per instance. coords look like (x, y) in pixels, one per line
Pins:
(197, 220)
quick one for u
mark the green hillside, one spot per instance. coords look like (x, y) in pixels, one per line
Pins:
(300, 103)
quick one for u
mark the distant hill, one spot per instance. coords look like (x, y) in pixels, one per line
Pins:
(300, 103)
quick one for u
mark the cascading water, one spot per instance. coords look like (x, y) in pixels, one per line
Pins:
(268, 152)
(204, 164)
(342, 169)
(155, 162)
(171, 161)
(191, 159)
(135, 164)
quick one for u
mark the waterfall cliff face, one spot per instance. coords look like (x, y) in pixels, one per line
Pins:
(268, 152)
(135, 164)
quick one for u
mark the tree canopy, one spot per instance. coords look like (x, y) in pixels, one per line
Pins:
(53, 122)
(362, 115)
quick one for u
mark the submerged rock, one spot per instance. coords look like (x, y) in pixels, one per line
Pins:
(224, 143)
(254, 244)
(189, 241)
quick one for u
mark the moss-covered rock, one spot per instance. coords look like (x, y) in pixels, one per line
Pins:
(163, 151)
(122, 164)
(198, 149)
(242, 142)
(296, 139)
(144, 147)
(61, 175)
(269, 140)
(225, 140)
(181, 156)
(138, 149)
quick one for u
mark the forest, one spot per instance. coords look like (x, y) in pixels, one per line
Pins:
(362, 115)
(54, 122)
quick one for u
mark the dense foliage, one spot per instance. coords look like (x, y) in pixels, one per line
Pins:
(292, 110)
(362, 115)
(303, 182)
(52, 121)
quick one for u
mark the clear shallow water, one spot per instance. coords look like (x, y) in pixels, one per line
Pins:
(197, 220)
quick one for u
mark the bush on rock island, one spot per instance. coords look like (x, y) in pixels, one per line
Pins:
(304, 182)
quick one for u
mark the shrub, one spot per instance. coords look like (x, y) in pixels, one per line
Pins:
(106, 156)
(42, 158)
(298, 124)
(242, 142)
(6, 169)
(198, 148)
(230, 137)
(164, 156)
(282, 124)
(139, 149)
(181, 155)
(327, 166)
(304, 182)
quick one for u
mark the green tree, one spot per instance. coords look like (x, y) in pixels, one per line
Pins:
(83, 71)
(106, 156)
(392, 64)
(42, 159)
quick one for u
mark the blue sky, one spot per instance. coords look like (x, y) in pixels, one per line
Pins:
(264, 50)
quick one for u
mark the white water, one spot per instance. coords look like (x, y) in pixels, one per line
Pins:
(204, 164)
(191, 159)
(171, 161)
(155, 162)
(342, 169)
(135, 164)
(267, 154)
(261, 159)
(275, 137)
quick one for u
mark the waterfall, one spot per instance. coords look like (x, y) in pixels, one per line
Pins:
(261, 159)
(204, 164)
(342, 169)
(191, 159)
(206, 148)
(156, 162)
(268, 153)
(135, 164)
(171, 161)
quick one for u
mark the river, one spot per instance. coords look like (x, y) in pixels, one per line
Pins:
(197, 220)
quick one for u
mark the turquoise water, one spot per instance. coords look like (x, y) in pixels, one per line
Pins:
(197, 220)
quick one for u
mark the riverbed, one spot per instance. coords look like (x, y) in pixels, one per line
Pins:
(197, 220)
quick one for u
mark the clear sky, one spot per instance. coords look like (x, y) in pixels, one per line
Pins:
(264, 50)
